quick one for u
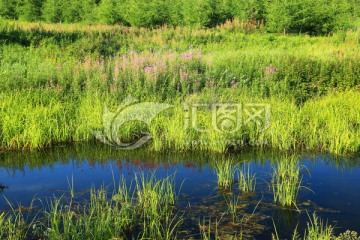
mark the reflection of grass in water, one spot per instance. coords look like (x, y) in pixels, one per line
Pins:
(287, 217)
(225, 171)
(247, 180)
(285, 181)
(129, 212)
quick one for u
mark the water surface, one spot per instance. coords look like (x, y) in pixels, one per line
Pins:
(334, 184)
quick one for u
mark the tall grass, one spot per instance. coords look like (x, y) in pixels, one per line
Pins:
(316, 229)
(145, 211)
(39, 119)
(12, 226)
(123, 214)
(16, 223)
(225, 171)
(232, 203)
(246, 180)
(156, 199)
(286, 181)
(56, 79)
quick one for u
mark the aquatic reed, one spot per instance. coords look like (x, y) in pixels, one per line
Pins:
(225, 171)
(318, 229)
(146, 211)
(246, 180)
(286, 181)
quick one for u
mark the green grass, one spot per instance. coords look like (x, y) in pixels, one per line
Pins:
(57, 79)
(144, 211)
(225, 171)
(286, 181)
(38, 119)
(156, 200)
(317, 229)
(232, 203)
(124, 213)
(246, 180)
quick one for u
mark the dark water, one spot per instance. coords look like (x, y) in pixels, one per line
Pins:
(334, 184)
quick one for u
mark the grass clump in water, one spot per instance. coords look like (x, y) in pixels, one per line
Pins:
(286, 181)
(105, 216)
(247, 180)
(225, 171)
(317, 229)
(146, 211)
(155, 202)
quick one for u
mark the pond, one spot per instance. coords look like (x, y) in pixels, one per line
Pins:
(330, 185)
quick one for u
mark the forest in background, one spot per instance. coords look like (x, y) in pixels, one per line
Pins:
(289, 16)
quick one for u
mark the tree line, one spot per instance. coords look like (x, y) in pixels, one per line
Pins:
(299, 16)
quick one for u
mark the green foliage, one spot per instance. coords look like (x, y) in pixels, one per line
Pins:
(196, 12)
(249, 10)
(146, 13)
(317, 229)
(8, 9)
(354, 8)
(293, 16)
(226, 171)
(52, 11)
(286, 181)
(314, 17)
(30, 10)
(120, 214)
(246, 180)
(108, 12)
(78, 11)
(56, 79)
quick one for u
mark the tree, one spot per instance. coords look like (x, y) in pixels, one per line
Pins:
(147, 13)
(79, 10)
(30, 10)
(8, 9)
(279, 15)
(196, 12)
(52, 11)
(221, 10)
(306, 16)
(250, 9)
(175, 13)
(109, 12)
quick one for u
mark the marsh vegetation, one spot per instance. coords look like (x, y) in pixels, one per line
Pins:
(56, 80)
(227, 75)
(168, 197)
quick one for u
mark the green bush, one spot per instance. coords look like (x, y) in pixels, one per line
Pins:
(306, 16)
